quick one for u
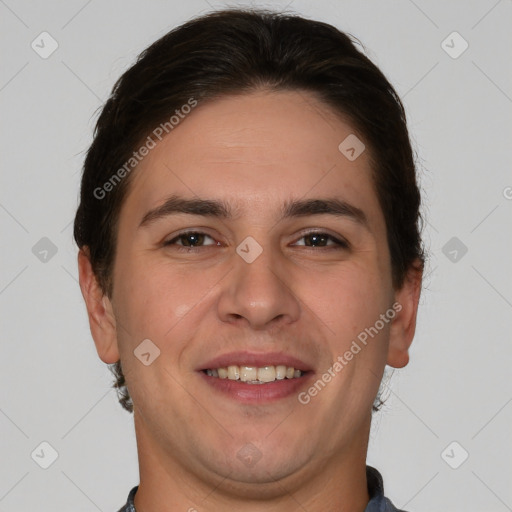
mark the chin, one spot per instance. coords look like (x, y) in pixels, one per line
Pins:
(265, 480)
(261, 463)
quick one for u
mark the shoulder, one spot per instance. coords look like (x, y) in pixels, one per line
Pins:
(378, 502)
(129, 506)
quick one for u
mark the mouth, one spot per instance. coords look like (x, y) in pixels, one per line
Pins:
(256, 378)
(253, 374)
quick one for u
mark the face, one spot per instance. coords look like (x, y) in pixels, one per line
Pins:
(256, 280)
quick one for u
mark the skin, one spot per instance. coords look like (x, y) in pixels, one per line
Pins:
(255, 151)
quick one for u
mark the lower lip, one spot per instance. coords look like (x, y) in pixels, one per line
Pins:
(257, 393)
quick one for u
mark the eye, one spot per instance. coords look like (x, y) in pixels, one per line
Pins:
(196, 239)
(190, 239)
(320, 239)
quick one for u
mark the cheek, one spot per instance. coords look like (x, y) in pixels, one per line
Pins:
(134, 307)
(349, 297)
(155, 296)
(350, 302)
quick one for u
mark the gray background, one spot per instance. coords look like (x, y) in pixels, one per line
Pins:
(457, 387)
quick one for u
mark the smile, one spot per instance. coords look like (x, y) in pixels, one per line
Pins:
(255, 375)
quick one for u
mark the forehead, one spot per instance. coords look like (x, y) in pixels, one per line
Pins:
(256, 150)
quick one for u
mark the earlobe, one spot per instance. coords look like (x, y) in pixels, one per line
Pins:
(99, 310)
(403, 325)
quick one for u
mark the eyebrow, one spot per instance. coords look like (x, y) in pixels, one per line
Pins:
(220, 209)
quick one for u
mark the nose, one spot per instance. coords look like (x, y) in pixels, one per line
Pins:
(258, 293)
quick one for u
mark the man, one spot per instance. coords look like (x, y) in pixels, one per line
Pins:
(250, 259)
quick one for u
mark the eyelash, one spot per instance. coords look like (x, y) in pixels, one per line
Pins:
(341, 244)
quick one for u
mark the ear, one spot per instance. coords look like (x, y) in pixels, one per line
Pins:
(403, 325)
(99, 310)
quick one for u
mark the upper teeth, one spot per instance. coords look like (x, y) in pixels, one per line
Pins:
(253, 374)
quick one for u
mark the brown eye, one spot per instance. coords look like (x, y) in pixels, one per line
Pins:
(190, 239)
(319, 239)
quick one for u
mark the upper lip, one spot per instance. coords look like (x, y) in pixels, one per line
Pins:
(255, 359)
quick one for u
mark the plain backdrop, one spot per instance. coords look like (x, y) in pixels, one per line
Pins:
(443, 440)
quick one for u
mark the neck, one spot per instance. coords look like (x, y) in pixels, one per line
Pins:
(338, 483)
